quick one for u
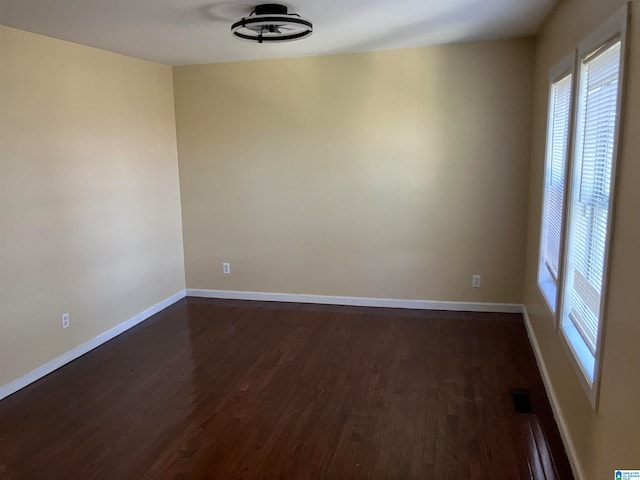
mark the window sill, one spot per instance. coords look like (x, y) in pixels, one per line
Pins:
(548, 289)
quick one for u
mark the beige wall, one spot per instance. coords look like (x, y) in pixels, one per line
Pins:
(611, 438)
(89, 195)
(391, 174)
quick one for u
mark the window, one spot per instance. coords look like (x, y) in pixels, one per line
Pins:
(590, 202)
(579, 179)
(560, 107)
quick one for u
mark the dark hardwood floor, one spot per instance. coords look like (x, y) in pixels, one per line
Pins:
(255, 390)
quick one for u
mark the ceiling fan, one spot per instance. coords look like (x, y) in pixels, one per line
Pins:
(272, 23)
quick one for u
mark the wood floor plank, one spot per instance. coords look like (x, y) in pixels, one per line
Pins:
(221, 389)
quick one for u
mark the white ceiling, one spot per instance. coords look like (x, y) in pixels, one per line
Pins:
(180, 32)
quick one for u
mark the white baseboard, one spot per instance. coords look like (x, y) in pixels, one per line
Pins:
(357, 301)
(47, 368)
(578, 473)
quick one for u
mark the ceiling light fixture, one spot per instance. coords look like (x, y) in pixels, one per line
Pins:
(271, 23)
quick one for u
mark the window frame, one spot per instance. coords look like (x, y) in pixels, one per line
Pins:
(612, 29)
(565, 67)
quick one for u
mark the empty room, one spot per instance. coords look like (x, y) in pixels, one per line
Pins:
(323, 240)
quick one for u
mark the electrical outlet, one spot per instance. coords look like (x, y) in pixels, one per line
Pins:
(226, 268)
(475, 281)
(65, 320)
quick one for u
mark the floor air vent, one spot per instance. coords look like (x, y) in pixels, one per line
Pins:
(521, 401)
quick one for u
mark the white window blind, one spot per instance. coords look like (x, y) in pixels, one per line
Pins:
(557, 141)
(590, 201)
(559, 119)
